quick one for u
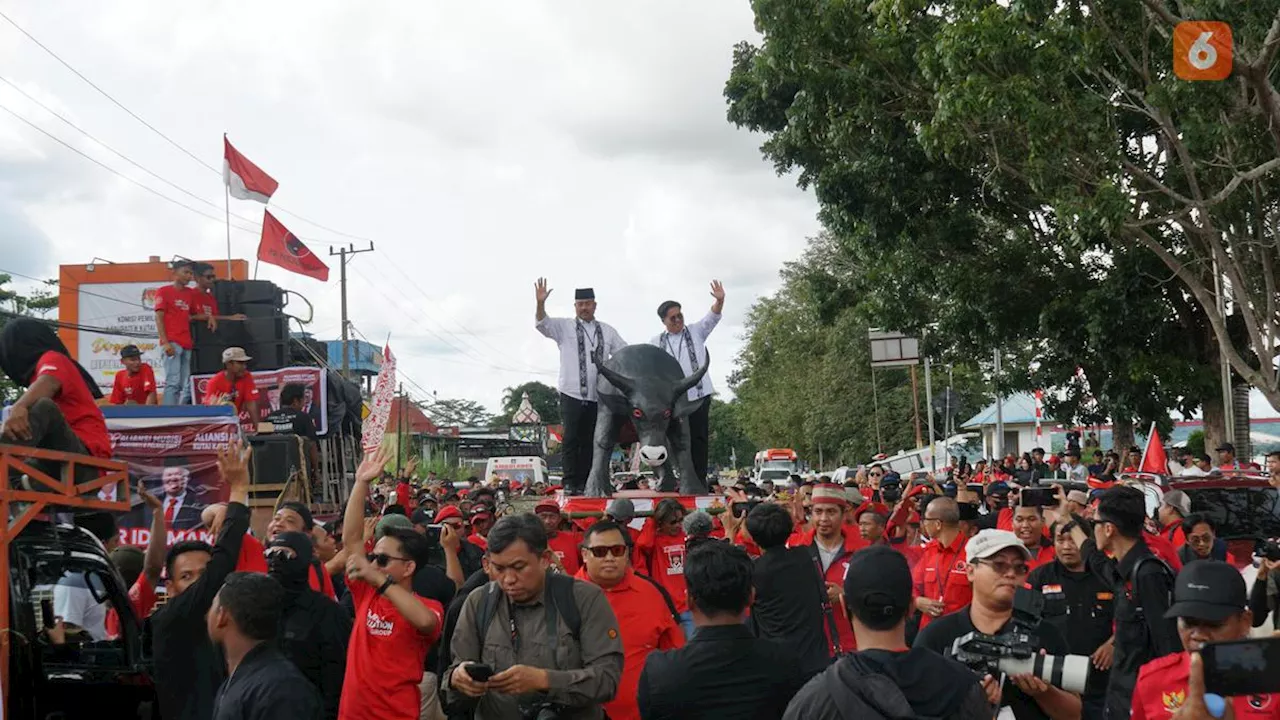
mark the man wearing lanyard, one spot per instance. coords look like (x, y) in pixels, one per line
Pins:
(688, 345)
(941, 575)
(579, 338)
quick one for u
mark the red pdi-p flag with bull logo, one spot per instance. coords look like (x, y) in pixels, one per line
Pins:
(173, 453)
(375, 426)
(281, 247)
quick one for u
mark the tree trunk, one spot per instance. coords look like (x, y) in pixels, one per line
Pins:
(1121, 437)
(1215, 421)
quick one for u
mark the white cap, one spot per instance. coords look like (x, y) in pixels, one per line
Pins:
(989, 542)
(234, 354)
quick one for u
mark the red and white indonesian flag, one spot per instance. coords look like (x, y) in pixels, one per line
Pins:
(375, 426)
(245, 180)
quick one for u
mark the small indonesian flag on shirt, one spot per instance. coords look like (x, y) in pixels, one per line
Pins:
(245, 180)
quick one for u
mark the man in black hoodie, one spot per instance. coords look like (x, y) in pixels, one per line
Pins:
(313, 630)
(885, 679)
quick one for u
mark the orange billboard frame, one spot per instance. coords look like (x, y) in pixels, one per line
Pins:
(72, 277)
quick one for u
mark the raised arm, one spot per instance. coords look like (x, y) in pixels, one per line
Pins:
(541, 292)
(158, 542)
(353, 520)
(717, 292)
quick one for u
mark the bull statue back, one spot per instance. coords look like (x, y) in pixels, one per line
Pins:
(645, 384)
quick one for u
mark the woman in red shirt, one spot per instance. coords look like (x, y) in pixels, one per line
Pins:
(59, 409)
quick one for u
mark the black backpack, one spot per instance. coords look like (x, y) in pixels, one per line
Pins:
(868, 697)
(559, 601)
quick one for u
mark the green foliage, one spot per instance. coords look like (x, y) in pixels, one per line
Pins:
(458, 412)
(726, 437)
(970, 161)
(38, 303)
(1195, 443)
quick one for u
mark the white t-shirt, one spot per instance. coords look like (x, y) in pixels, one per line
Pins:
(74, 603)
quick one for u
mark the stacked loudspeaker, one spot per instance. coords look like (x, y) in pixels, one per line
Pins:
(264, 333)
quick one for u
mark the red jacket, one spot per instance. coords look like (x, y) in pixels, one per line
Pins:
(1162, 689)
(942, 574)
(853, 542)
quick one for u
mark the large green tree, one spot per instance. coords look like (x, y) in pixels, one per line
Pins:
(727, 440)
(544, 398)
(457, 411)
(889, 110)
(37, 303)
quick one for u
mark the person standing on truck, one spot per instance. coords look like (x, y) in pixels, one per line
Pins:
(188, 670)
(688, 345)
(173, 324)
(578, 338)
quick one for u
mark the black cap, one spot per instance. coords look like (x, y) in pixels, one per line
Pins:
(303, 511)
(129, 351)
(584, 294)
(877, 586)
(1208, 590)
(1225, 447)
(422, 516)
(1072, 452)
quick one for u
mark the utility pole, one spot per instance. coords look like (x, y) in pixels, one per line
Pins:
(928, 407)
(400, 429)
(998, 445)
(342, 254)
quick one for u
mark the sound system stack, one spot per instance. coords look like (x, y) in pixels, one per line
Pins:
(264, 333)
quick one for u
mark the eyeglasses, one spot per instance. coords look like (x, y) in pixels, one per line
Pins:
(382, 559)
(1003, 567)
(932, 520)
(603, 550)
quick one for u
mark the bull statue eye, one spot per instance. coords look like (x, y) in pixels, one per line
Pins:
(666, 413)
(636, 413)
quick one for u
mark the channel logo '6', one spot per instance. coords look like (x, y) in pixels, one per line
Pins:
(1202, 50)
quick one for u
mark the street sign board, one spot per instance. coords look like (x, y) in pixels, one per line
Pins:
(893, 349)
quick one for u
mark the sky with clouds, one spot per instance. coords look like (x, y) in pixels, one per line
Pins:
(480, 145)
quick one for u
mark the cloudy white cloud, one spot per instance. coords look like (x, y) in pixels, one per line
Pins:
(480, 145)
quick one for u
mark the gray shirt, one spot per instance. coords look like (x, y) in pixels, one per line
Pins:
(584, 671)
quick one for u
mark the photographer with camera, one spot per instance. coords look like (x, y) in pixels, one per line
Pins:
(884, 679)
(998, 568)
(533, 644)
(1264, 597)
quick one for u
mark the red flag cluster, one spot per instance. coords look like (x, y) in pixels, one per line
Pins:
(278, 246)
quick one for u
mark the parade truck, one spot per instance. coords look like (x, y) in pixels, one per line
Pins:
(776, 464)
(47, 670)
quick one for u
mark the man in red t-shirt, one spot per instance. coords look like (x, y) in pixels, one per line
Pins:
(394, 628)
(563, 544)
(173, 324)
(234, 384)
(136, 383)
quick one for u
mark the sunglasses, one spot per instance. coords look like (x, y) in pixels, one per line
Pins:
(382, 559)
(677, 316)
(603, 550)
(1004, 568)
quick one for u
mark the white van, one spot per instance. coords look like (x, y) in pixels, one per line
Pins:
(525, 470)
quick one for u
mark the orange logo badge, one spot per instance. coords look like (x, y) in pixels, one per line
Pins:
(1173, 700)
(1202, 50)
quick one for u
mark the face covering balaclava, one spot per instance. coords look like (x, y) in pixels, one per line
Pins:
(289, 562)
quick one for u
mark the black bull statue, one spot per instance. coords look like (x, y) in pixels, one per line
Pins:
(647, 385)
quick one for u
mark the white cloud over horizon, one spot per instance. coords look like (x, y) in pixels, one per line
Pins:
(479, 145)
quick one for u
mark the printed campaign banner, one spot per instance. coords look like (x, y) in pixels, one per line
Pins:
(271, 382)
(375, 426)
(173, 452)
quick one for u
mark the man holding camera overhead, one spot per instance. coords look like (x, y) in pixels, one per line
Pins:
(998, 568)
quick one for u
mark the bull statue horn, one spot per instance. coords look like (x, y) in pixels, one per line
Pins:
(620, 381)
(694, 379)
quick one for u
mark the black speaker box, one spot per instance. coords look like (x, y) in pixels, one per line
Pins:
(271, 329)
(260, 292)
(274, 458)
(268, 355)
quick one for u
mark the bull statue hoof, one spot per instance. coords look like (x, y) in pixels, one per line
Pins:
(646, 384)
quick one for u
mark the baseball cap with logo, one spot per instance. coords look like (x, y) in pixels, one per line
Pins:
(989, 542)
(1208, 590)
(234, 354)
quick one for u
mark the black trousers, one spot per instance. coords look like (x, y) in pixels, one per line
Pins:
(699, 429)
(579, 441)
(50, 431)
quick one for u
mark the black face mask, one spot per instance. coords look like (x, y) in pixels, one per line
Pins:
(289, 560)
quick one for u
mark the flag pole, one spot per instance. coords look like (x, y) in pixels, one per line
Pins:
(226, 193)
(1147, 448)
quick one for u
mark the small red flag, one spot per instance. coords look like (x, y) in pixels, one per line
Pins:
(283, 248)
(1154, 459)
(245, 180)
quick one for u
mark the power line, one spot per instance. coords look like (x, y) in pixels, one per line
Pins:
(104, 93)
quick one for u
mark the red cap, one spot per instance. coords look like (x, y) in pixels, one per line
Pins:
(448, 511)
(546, 506)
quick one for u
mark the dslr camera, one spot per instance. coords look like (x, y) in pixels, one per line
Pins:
(1270, 549)
(1017, 650)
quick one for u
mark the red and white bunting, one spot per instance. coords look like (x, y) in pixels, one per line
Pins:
(375, 426)
(1039, 413)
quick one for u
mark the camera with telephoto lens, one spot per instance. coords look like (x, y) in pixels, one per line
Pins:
(1270, 550)
(541, 711)
(1017, 651)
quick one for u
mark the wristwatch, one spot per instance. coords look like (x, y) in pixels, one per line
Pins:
(385, 584)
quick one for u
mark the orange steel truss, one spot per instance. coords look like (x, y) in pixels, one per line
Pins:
(47, 491)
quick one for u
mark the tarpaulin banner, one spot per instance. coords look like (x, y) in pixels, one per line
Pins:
(375, 426)
(271, 382)
(173, 453)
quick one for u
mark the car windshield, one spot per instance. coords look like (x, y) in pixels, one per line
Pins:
(774, 474)
(1239, 512)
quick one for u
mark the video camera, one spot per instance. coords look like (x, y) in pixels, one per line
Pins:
(1017, 651)
(1270, 550)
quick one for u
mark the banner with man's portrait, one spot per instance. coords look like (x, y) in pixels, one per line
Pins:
(173, 451)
